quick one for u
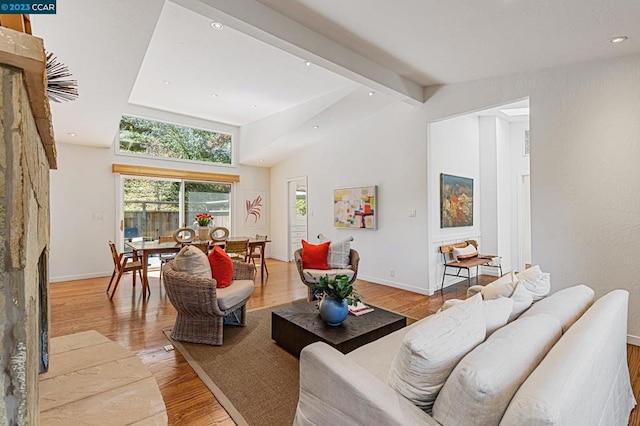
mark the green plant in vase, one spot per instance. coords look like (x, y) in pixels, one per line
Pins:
(335, 296)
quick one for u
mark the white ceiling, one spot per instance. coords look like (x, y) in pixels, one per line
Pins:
(393, 48)
(199, 61)
(437, 42)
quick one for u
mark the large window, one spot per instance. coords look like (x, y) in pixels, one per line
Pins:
(154, 138)
(157, 207)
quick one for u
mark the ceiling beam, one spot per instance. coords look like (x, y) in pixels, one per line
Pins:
(265, 24)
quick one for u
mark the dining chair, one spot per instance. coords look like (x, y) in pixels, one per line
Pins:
(165, 257)
(219, 234)
(256, 252)
(122, 264)
(237, 249)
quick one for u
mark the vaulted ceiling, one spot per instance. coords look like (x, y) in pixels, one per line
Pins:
(289, 72)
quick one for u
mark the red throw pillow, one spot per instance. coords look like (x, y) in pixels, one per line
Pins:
(315, 257)
(221, 267)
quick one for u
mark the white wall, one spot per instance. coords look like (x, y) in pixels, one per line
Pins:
(389, 150)
(454, 149)
(519, 168)
(584, 169)
(84, 185)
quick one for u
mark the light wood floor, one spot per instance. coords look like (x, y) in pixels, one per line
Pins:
(137, 325)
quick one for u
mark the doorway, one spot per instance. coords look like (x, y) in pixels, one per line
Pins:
(151, 208)
(525, 223)
(297, 213)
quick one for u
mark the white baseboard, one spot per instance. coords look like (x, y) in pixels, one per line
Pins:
(79, 277)
(281, 259)
(394, 284)
(633, 340)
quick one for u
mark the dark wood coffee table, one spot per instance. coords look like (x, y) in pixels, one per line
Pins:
(300, 325)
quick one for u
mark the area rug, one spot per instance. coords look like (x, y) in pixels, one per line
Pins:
(254, 379)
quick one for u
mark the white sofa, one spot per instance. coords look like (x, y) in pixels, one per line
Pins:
(583, 379)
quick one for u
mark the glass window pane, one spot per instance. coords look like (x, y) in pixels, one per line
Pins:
(151, 208)
(212, 198)
(148, 137)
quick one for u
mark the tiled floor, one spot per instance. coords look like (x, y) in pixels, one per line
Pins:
(93, 380)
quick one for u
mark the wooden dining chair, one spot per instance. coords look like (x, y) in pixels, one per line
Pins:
(237, 249)
(256, 252)
(122, 264)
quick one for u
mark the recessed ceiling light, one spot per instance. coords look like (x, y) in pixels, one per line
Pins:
(316, 127)
(307, 63)
(512, 112)
(217, 25)
(254, 106)
(166, 82)
(618, 39)
(73, 135)
(261, 160)
(214, 95)
(371, 93)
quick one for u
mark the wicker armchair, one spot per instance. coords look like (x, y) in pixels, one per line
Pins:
(202, 308)
(354, 259)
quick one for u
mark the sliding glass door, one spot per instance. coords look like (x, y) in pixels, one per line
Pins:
(153, 208)
(206, 197)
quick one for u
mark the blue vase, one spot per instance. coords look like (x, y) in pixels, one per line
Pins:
(332, 311)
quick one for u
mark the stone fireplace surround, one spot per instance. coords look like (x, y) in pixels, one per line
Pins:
(27, 152)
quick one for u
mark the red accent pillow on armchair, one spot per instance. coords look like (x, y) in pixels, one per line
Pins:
(315, 256)
(221, 267)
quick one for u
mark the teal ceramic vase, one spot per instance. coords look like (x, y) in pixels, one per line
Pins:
(332, 311)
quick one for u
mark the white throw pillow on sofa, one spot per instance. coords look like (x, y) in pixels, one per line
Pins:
(496, 312)
(431, 349)
(522, 299)
(538, 283)
(191, 260)
(479, 389)
(502, 287)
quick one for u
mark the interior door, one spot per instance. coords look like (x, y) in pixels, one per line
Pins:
(297, 217)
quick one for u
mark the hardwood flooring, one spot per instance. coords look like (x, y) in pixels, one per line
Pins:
(83, 305)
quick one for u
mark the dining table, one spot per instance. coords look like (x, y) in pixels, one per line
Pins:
(147, 248)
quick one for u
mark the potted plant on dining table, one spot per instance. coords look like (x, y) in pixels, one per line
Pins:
(204, 220)
(335, 295)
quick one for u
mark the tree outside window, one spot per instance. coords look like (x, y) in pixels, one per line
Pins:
(158, 139)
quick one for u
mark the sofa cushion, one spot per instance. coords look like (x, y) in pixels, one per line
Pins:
(376, 357)
(566, 305)
(221, 267)
(522, 299)
(538, 283)
(496, 311)
(314, 275)
(230, 296)
(584, 379)
(502, 287)
(479, 389)
(430, 350)
(315, 256)
(191, 260)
